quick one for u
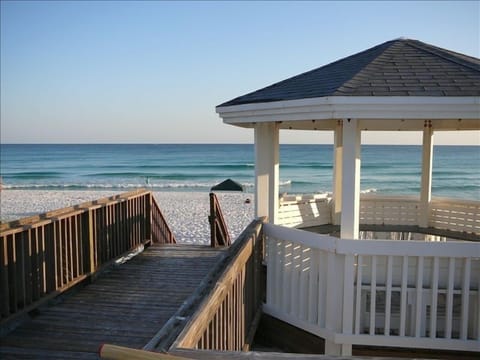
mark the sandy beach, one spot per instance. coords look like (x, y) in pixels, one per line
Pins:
(186, 212)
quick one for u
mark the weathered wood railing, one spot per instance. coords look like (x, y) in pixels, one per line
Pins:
(227, 318)
(161, 232)
(219, 235)
(44, 255)
(386, 293)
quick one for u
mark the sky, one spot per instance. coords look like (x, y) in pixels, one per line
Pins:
(153, 71)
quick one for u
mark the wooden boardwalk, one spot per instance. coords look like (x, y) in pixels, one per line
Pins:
(125, 306)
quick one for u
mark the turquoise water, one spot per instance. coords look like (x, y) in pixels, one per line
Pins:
(197, 167)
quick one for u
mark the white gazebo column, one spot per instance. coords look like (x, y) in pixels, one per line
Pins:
(426, 187)
(337, 173)
(266, 170)
(349, 227)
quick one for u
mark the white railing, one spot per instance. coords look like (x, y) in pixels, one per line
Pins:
(447, 214)
(386, 293)
(389, 210)
(455, 215)
(306, 210)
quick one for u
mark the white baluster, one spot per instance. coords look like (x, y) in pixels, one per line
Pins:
(433, 308)
(419, 311)
(348, 280)
(305, 260)
(403, 296)
(313, 287)
(295, 280)
(373, 294)
(358, 297)
(272, 270)
(322, 288)
(465, 298)
(388, 296)
(449, 309)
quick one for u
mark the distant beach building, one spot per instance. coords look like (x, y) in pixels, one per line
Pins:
(370, 292)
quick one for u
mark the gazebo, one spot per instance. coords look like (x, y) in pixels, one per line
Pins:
(400, 85)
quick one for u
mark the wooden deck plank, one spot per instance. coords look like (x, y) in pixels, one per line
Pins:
(15, 353)
(127, 305)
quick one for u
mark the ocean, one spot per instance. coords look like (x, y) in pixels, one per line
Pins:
(386, 169)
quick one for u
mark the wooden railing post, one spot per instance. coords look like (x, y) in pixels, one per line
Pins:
(219, 235)
(212, 219)
(4, 281)
(148, 217)
(91, 241)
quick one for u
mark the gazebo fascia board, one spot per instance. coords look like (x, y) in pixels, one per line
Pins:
(456, 113)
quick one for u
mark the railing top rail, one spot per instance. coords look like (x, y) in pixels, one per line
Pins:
(381, 197)
(307, 238)
(414, 198)
(408, 248)
(49, 216)
(292, 198)
(455, 201)
(284, 199)
(373, 247)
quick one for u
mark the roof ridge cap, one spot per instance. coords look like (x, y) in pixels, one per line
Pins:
(440, 53)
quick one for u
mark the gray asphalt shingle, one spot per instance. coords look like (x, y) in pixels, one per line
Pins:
(401, 67)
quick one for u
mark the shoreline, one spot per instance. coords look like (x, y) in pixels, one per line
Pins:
(186, 212)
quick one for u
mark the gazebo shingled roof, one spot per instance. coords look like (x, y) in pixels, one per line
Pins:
(401, 67)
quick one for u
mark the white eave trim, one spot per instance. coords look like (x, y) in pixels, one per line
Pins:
(344, 107)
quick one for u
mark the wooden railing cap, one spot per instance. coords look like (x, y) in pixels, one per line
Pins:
(50, 216)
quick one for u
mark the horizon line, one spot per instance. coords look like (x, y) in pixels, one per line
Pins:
(213, 143)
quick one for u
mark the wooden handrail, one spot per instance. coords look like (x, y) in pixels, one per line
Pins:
(44, 255)
(114, 352)
(219, 235)
(58, 213)
(161, 232)
(227, 318)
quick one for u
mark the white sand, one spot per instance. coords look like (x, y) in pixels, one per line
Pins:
(186, 212)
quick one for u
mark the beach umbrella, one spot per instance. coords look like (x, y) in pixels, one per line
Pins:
(219, 235)
(227, 185)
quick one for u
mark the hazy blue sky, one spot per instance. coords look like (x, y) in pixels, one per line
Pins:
(115, 72)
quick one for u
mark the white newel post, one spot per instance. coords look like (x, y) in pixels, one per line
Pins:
(339, 302)
(332, 308)
(349, 227)
(426, 187)
(266, 170)
(348, 295)
(337, 174)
